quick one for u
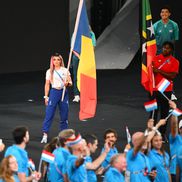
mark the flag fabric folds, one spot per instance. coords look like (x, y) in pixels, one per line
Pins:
(162, 85)
(150, 105)
(148, 47)
(31, 164)
(47, 156)
(176, 112)
(86, 74)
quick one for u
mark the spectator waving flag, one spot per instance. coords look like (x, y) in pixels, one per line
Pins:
(150, 105)
(162, 85)
(86, 74)
(148, 47)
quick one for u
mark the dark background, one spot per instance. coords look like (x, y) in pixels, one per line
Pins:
(30, 33)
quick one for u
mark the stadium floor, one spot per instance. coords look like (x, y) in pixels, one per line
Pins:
(120, 104)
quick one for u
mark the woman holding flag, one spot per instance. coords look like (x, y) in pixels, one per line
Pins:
(57, 77)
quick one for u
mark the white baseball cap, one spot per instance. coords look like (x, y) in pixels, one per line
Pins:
(180, 123)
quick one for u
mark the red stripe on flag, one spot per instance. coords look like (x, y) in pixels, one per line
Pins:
(48, 153)
(88, 97)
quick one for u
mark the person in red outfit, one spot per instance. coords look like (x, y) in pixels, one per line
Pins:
(164, 66)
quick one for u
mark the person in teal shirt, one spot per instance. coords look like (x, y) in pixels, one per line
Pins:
(175, 140)
(118, 165)
(179, 164)
(57, 170)
(159, 159)
(21, 138)
(165, 29)
(138, 166)
(92, 144)
(8, 169)
(110, 137)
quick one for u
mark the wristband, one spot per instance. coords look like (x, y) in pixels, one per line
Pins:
(46, 97)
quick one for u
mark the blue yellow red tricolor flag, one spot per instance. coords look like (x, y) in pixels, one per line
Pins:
(86, 74)
(148, 47)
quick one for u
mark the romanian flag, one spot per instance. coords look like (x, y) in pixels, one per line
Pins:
(86, 74)
(148, 47)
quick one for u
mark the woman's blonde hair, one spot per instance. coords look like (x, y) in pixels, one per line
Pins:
(5, 172)
(52, 64)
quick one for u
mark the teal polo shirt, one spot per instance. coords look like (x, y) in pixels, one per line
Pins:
(165, 32)
(90, 173)
(21, 158)
(179, 161)
(174, 143)
(113, 175)
(57, 169)
(161, 163)
(136, 166)
(111, 152)
(76, 174)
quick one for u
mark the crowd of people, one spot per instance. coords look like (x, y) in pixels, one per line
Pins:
(145, 158)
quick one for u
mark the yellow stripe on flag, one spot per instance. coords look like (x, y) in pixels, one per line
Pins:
(144, 34)
(152, 42)
(148, 17)
(87, 60)
(144, 68)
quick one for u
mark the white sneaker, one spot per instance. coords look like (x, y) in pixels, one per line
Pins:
(44, 138)
(77, 98)
(173, 97)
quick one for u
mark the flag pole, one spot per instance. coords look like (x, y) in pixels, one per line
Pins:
(165, 96)
(128, 135)
(73, 41)
(168, 116)
(153, 112)
(40, 165)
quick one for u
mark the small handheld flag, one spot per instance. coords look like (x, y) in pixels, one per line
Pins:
(162, 85)
(150, 105)
(128, 135)
(31, 164)
(47, 156)
(176, 112)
